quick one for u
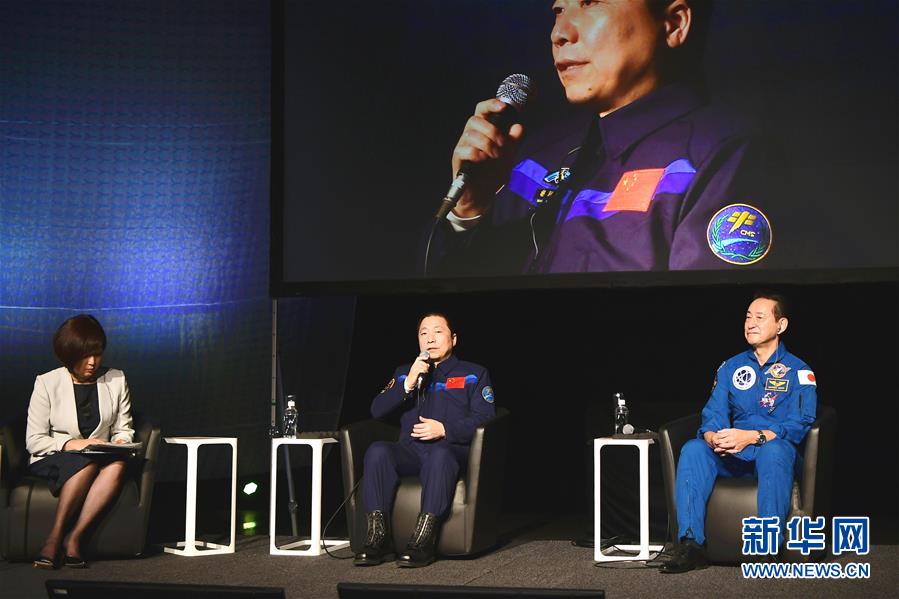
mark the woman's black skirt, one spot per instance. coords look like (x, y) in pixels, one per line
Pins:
(57, 468)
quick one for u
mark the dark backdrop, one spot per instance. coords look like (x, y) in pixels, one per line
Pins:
(556, 358)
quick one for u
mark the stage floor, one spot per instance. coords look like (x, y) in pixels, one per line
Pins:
(531, 558)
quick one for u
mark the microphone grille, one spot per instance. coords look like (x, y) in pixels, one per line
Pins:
(424, 355)
(514, 91)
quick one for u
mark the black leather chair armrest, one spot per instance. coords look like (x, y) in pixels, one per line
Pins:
(4, 486)
(818, 448)
(13, 457)
(355, 439)
(672, 437)
(487, 453)
(148, 474)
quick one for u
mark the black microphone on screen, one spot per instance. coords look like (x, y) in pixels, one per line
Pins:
(424, 355)
(514, 92)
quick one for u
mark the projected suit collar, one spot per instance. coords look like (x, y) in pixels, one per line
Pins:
(630, 124)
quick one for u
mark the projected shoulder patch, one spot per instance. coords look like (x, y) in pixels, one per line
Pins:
(487, 394)
(739, 234)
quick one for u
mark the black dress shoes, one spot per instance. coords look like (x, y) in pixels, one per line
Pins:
(378, 546)
(421, 550)
(46, 563)
(688, 555)
(74, 561)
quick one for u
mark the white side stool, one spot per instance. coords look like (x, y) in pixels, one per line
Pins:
(644, 548)
(315, 530)
(191, 546)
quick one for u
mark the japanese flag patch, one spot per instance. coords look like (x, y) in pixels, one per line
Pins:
(806, 377)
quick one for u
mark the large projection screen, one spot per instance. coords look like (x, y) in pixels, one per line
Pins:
(777, 164)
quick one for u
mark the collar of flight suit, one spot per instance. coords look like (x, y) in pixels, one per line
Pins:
(628, 125)
(445, 367)
(775, 357)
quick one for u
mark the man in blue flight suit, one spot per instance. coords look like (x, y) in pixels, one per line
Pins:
(762, 405)
(442, 401)
(653, 178)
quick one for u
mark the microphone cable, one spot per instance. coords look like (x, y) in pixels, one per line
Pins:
(331, 519)
(428, 247)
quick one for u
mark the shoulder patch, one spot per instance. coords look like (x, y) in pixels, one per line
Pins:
(807, 377)
(739, 234)
(487, 393)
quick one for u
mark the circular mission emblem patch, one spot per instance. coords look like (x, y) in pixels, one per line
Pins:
(740, 234)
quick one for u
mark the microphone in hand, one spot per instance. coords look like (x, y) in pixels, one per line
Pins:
(419, 382)
(513, 91)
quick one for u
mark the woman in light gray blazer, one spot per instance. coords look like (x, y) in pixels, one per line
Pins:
(73, 407)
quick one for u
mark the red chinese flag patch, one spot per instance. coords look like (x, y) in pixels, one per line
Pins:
(455, 382)
(634, 191)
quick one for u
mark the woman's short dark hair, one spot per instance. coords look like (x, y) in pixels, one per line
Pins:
(77, 338)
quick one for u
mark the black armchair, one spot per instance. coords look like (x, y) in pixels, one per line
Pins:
(471, 526)
(27, 507)
(733, 499)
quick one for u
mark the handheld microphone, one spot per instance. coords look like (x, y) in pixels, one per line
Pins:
(424, 355)
(514, 92)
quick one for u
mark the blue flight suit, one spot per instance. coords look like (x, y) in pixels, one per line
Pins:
(643, 187)
(779, 396)
(459, 395)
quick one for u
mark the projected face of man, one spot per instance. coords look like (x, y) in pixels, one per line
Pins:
(607, 53)
(436, 338)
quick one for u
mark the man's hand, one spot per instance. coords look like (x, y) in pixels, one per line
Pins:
(714, 440)
(734, 440)
(79, 444)
(419, 366)
(428, 429)
(492, 150)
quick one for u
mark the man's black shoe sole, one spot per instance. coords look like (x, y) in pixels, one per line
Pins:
(698, 567)
(409, 564)
(367, 561)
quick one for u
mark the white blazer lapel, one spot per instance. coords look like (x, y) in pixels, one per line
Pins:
(65, 401)
(105, 404)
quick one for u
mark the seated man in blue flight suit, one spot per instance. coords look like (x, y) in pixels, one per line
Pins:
(442, 400)
(653, 177)
(762, 405)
